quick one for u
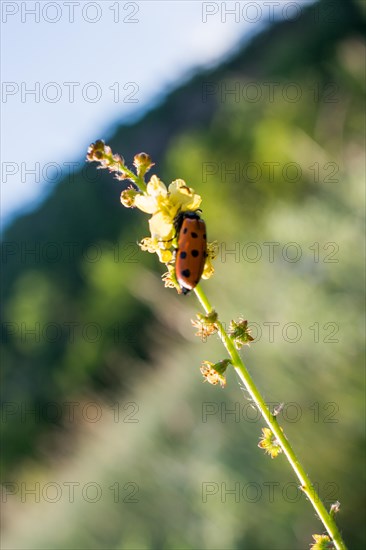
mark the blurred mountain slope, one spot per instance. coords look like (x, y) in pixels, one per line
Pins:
(85, 216)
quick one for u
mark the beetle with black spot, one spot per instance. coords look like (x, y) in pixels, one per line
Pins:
(192, 249)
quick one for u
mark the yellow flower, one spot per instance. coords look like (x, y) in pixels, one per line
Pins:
(169, 278)
(154, 198)
(269, 443)
(208, 269)
(162, 227)
(128, 197)
(183, 198)
(143, 163)
(214, 373)
(161, 248)
(206, 324)
(164, 204)
(322, 542)
(240, 333)
(149, 245)
(165, 256)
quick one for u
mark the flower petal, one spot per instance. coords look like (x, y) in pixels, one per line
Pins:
(146, 203)
(156, 187)
(161, 227)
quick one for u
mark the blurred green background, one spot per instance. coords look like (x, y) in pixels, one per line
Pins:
(105, 416)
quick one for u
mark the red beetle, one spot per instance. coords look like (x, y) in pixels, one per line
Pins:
(192, 249)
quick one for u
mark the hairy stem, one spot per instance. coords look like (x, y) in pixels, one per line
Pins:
(305, 483)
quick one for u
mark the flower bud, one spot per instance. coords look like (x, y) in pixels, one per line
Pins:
(214, 373)
(128, 197)
(142, 163)
(240, 333)
(96, 151)
(269, 443)
(322, 542)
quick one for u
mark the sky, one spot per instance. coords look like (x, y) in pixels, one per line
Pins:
(72, 70)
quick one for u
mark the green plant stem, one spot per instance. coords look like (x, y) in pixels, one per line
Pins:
(305, 483)
(137, 180)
